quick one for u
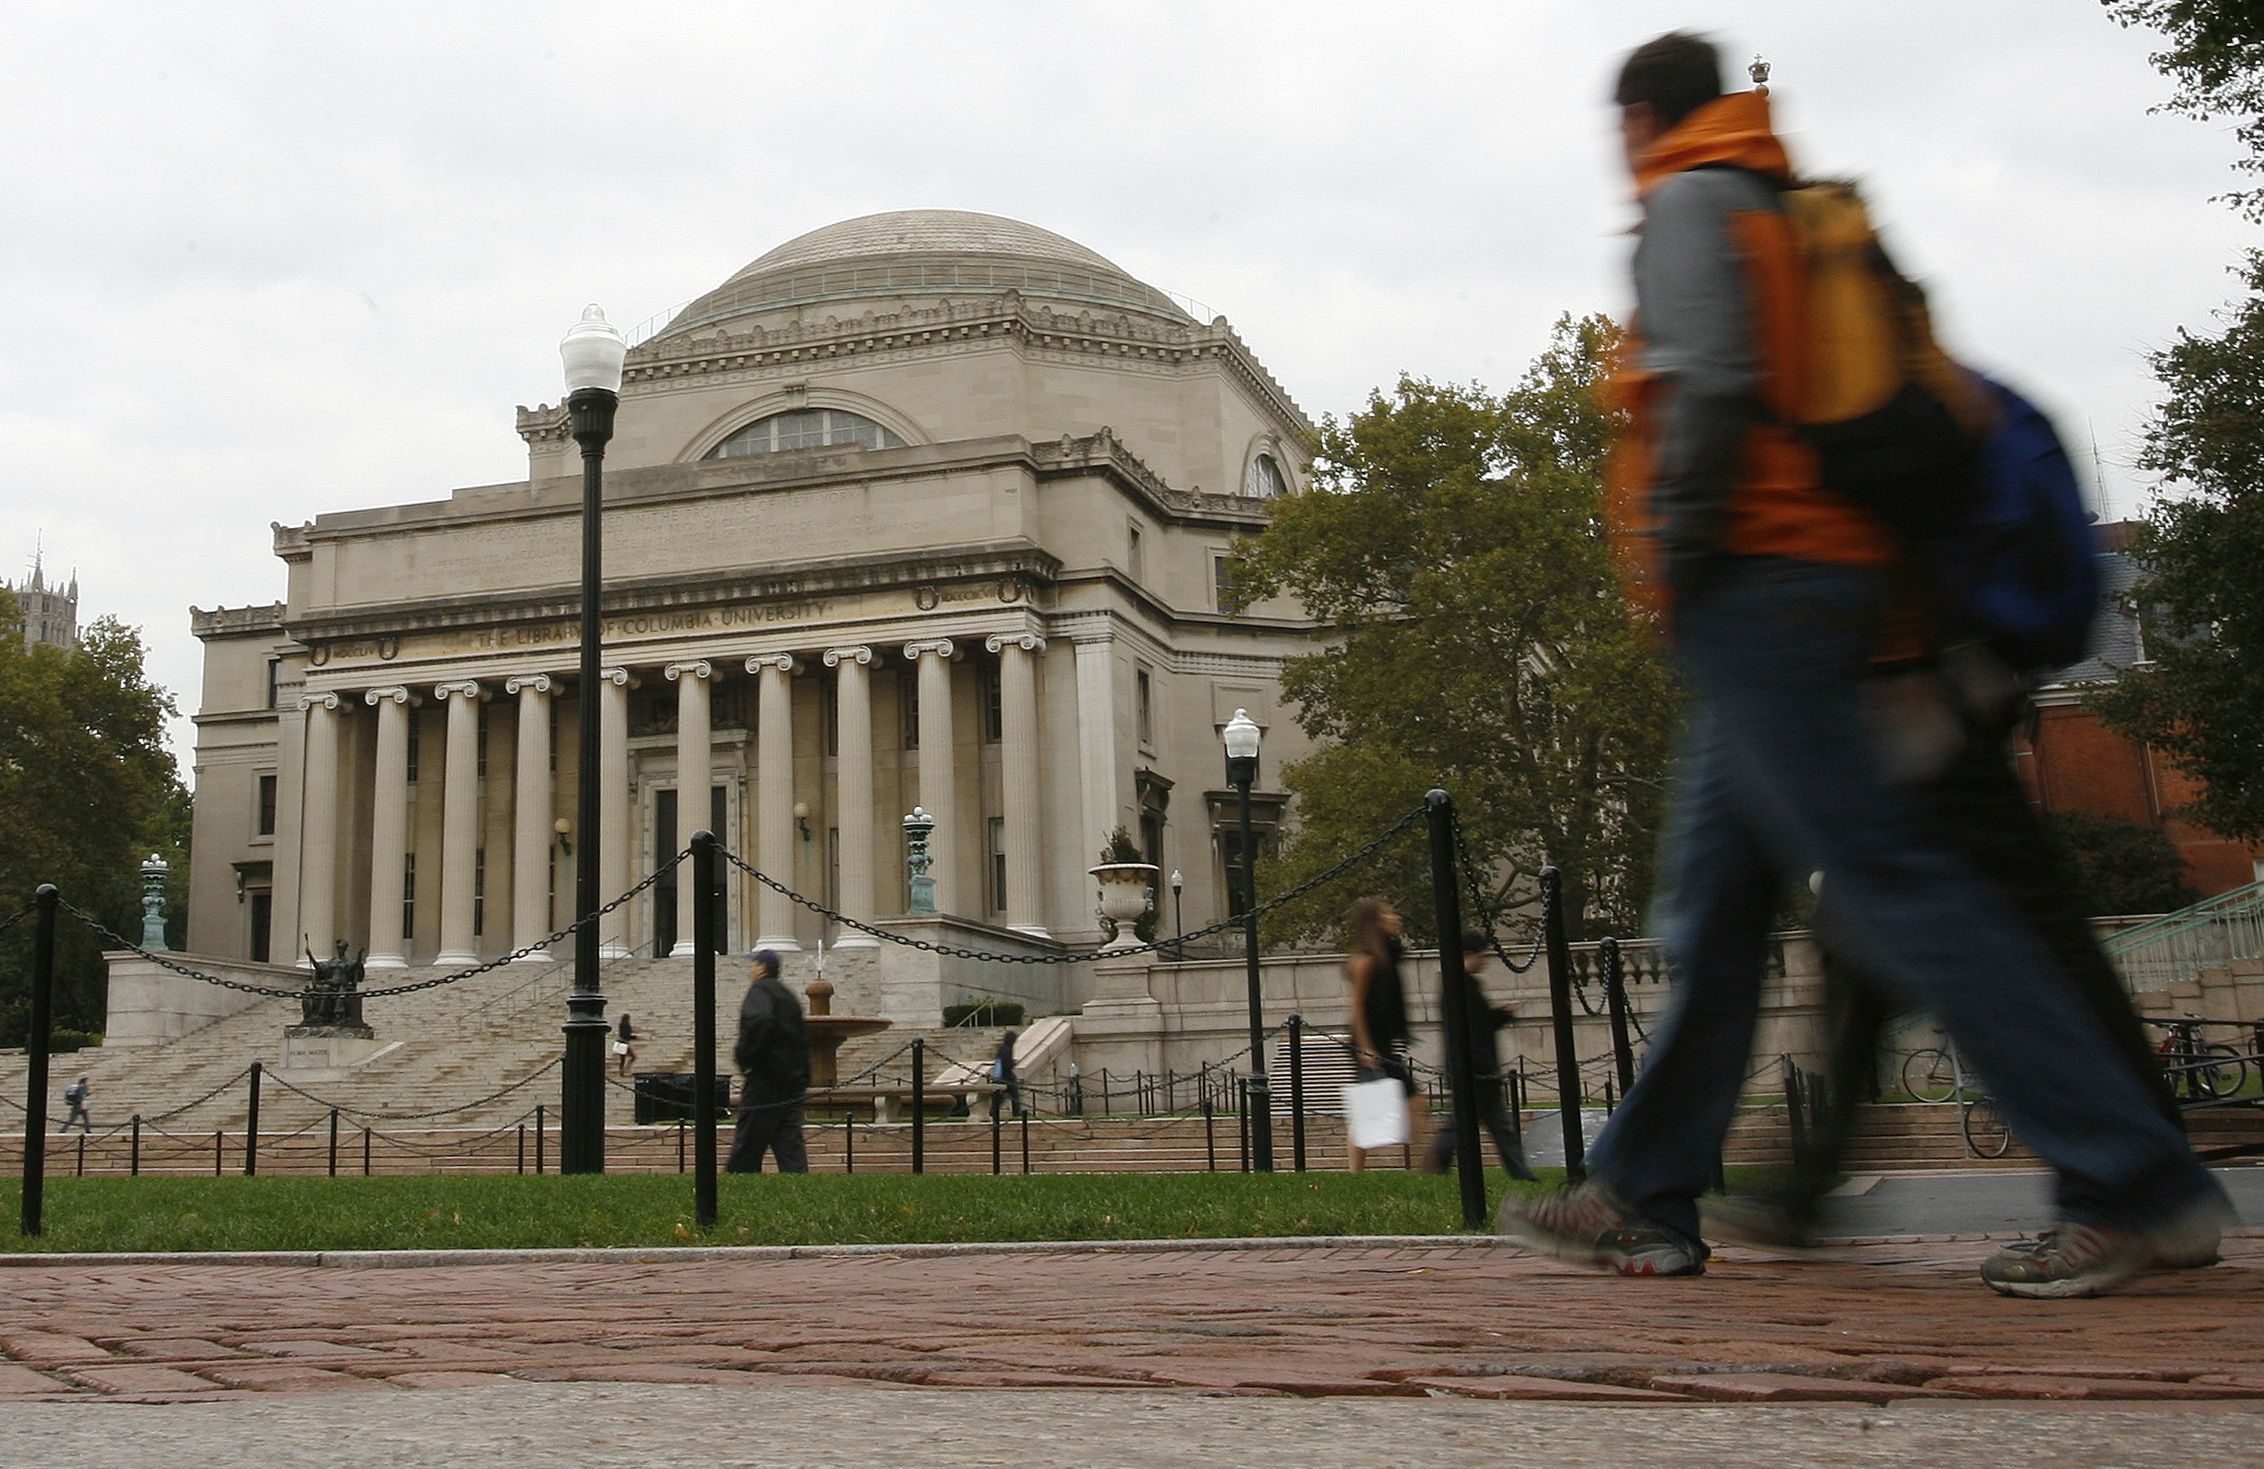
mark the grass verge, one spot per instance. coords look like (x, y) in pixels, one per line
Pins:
(460, 1211)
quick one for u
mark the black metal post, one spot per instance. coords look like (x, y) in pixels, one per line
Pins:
(522, 1153)
(251, 1127)
(219, 1165)
(849, 1141)
(1024, 1118)
(704, 929)
(995, 1125)
(1210, 1137)
(1242, 1128)
(1260, 1109)
(919, 1106)
(81, 1168)
(133, 1159)
(581, 1109)
(1104, 1092)
(1455, 1010)
(365, 1150)
(334, 1145)
(1178, 925)
(1560, 1013)
(1297, 1092)
(1792, 1110)
(539, 1149)
(1615, 999)
(35, 1077)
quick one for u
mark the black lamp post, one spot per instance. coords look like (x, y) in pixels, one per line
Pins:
(1242, 773)
(1178, 919)
(593, 354)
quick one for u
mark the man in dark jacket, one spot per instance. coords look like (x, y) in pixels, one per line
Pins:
(1482, 1019)
(773, 1055)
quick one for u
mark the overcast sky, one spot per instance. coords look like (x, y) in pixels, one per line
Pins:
(259, 262)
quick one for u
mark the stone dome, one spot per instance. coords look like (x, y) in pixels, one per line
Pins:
(919, 256)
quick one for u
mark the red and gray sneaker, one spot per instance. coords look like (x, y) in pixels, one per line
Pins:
(1588, 1226)
(2069, 1259)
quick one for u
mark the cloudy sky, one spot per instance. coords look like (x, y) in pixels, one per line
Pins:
(260, 262)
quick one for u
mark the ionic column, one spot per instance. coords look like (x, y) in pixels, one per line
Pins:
(693, 778)
(530, 827)
(459, 821)
(853, 787)
(318, 853)
(1018, 777)
(936, 777)
(615, 816)
(389, 828)
(774, 797)
(1096, 739)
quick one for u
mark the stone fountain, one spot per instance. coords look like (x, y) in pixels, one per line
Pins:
(828, 1030)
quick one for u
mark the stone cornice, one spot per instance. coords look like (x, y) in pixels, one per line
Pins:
(264, 617)
(1008, 318)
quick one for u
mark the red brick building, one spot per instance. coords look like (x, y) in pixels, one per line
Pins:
(2076, 763)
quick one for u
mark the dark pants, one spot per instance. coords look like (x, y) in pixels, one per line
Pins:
(1008, 1092)
(764, 1126)
(1977, 808)
(1493, 1115)
(78, 1115)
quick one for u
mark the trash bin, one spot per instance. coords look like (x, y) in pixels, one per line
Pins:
(666, 1096)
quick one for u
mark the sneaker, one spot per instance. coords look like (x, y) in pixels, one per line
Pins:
(1588, 1226)
(2068, 1259)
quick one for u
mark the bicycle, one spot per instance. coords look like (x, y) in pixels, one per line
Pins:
(2201, 1071)
(1986, 1132)
(1930, 1074)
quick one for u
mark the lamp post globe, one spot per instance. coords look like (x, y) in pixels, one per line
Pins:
(593, 354)
(1242, 738)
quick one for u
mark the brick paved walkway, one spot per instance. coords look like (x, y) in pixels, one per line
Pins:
(1881, 1324)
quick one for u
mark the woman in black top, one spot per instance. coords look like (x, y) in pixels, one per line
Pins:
(625, 1045)
(1380, 1030)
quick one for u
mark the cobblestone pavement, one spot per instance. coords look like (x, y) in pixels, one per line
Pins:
(1887, 1323)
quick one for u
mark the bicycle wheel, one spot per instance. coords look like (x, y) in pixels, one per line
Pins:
(1928, 1076)
(2218, 1071)
(1984, 1127)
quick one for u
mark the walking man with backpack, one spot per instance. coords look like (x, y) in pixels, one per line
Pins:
(1774, 593)
(76, 1094)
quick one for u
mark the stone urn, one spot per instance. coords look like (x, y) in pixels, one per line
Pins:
(1127, 895)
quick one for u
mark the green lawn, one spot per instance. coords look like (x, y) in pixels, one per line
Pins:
(514, 1211)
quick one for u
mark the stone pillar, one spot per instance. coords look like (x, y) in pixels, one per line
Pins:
(530, 818)
(389, 828)
(774, 799)
(937, 779)
(318, 862)
(614, 818)
(1096, 742)
(694, 753)
(1018, 770)
(459, 821)
(853, 788)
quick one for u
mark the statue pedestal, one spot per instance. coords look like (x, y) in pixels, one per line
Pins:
(328, 1048)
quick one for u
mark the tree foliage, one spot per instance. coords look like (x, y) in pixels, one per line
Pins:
(87, 791)
(1454, 539)
(2122, 867)
(2216, 57)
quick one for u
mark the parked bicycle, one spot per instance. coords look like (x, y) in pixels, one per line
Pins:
(1931, 1074)
(2201, 1071)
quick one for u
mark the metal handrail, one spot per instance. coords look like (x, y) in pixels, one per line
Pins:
(2177, 946)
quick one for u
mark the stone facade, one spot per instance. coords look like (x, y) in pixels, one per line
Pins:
(51, 612)
(926, 508)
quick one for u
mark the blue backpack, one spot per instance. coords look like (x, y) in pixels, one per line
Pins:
(2021, 573)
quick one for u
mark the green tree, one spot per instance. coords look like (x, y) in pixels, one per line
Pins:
(2216, 57)
(87, 791)
(1455, 541)
(2123, 867)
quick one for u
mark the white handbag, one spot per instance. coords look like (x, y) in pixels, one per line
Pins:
(1375, 1113)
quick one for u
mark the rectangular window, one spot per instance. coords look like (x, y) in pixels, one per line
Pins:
(479, 738)
(263, 920)
(479, 891)
(1144, 689)
(997, 825)
(1222, 583)
(1135, 552)
(909, 696)
(414, 742)
(274, 680)
(267, 805)
(832, 719)
(994, 706)
(408, 899)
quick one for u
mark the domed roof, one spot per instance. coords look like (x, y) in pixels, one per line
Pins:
(916, 256)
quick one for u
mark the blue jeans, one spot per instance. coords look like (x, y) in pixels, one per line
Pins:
(1776, 779)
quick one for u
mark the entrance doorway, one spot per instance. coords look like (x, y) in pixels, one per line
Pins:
(666, 839)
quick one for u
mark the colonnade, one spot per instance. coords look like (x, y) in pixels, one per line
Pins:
(532, 694)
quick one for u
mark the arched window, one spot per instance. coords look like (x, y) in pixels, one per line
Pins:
(1265, 479)
(806, 428)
